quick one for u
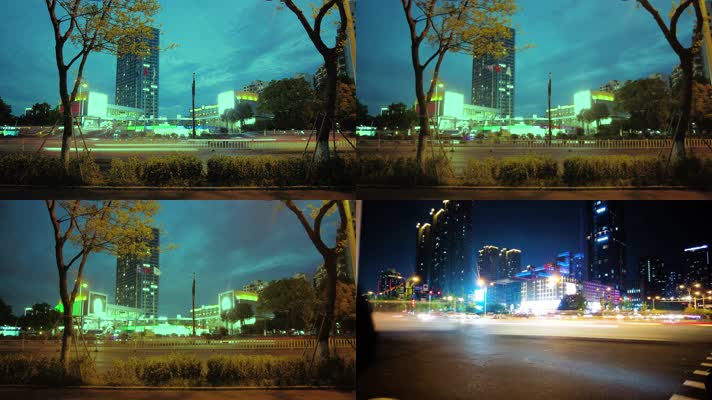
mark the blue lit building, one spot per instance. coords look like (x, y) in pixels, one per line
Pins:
(571, 264)
(607, 244)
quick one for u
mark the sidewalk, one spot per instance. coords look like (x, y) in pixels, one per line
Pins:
(171, 394)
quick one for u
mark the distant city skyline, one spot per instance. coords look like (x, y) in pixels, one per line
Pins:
(569, 41)
(226, 243)
(541, 230)
(246, 42)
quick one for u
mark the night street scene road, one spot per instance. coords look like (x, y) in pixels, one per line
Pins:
(531, 94)
(150, 93)
(535, 300)
(207, 299)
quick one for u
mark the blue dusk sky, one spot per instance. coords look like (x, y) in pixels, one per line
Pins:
(583, 43)
(226, 243)
(227, 43)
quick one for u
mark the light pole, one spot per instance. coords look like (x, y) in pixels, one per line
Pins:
(654, 298)
(481, 283)
(689, 293)
(81, 306)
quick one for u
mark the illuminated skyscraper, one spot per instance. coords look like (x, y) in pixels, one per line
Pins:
(607, 244)
(390, 283)
(493, 80)
(137, 78)
(487, 263)
(137, 279)
(445, 261)
(697, 268)
(651, 276)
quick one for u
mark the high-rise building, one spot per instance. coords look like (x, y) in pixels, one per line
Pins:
(607, 244)
(444, 260)
(487, 263)
(493, 80)
(423, 254)
(697, 266)
(578, 267)
(510, 263)
(137, 279)
(651, 276)
(390, 283)
(672, 283)
(137, 83)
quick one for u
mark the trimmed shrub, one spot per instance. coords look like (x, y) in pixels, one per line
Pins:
(126, 173)
(256, 171)
(40, 169)
(256, 371)
(404, 171)
(512, 171)
(174, 170)
(616, 170)
(33, 370)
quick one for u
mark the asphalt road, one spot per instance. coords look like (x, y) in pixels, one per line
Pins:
(81, 394)
(532, 359)
(104, 356)
(107, 149)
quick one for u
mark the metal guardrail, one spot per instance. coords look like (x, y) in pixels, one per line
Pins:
(242, 344)
(556, 143)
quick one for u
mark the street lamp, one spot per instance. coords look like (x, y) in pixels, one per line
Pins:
(481, 283)
(412, 280)
(81, 306)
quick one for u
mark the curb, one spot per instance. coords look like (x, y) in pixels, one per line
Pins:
(181, 388)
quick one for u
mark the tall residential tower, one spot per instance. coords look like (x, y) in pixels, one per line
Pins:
(493, 80)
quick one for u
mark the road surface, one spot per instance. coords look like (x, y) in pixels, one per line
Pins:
(81, 394)
(533, 359)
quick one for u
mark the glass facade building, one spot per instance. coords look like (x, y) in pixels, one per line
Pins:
(493, 80)
(607, 244)
(137, 279)
(137, 78)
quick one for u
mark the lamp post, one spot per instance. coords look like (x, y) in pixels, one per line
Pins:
(654, 298)
(81, 306)
(481, 283)
(689, 293)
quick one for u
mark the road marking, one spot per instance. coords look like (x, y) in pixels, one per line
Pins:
(706, 364)
(694, 384)
(701, 372)
(681, 397)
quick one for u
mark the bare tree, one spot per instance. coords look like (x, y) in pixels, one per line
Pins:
(686, 55)
(331, 57)
(330, 256)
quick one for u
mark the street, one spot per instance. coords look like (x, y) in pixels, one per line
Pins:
(163, 394)
(532, 358)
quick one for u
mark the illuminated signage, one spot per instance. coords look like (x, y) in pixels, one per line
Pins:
(479, 295)
(602, 239)
(601, 210)
(97, 303)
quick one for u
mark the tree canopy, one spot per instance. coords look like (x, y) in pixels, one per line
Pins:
(292, 102)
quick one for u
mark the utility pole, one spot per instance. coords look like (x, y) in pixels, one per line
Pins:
(193, 292)
(549, 113)
(194, 137)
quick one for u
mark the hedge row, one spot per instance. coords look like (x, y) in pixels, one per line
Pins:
(180, 370)
(188, 170)
(588, 171)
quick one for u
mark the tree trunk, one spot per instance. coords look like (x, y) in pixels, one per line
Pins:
(67, 120)
(423, 119)
(678, 145)
(66, 319)
(322, 140)
(325, 329)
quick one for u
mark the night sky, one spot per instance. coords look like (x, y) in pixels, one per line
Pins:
(226, 243)
(227, 43)
(540, 229)
(584, 43)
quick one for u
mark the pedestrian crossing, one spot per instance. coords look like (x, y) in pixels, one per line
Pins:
(698, 385)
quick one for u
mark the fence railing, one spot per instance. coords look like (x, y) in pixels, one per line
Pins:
(555, 143)
(242, 344)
